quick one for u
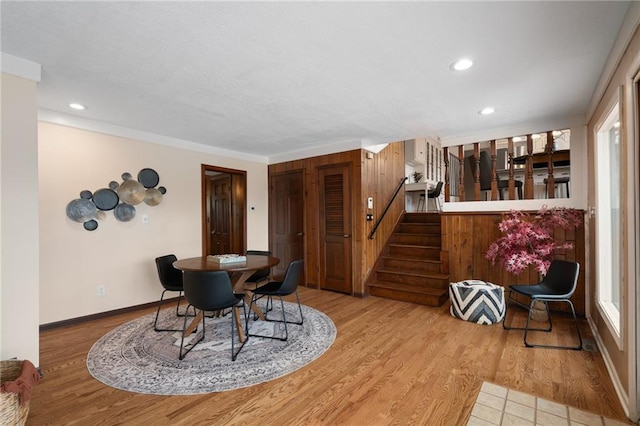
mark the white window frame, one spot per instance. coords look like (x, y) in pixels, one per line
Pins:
(611, 315)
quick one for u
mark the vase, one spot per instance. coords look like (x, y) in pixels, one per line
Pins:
(539, 312)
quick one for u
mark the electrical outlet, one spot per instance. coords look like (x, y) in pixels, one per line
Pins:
(102, 290)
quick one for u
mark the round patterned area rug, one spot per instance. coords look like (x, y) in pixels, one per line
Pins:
(135, 358)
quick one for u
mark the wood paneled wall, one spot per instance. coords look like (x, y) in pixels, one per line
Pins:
(375, 177)
(467, 236)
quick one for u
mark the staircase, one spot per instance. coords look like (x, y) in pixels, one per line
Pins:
(413, 268)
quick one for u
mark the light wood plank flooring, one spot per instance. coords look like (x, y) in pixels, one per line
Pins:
(392, 363)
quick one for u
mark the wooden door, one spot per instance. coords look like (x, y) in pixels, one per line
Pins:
(286, 211)
(220, 214)
(335, 228)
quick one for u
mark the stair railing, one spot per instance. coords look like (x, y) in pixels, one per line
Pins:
(386, 209)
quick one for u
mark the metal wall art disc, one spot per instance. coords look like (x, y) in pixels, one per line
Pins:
(105, 199)
(100, 215)
(80, 210)
(126, 176)
(131, 192)
(124, 212)
(162, 190)
(153, 197)
(90, 225)
(114, 185)
(86, 194)
(148, 178)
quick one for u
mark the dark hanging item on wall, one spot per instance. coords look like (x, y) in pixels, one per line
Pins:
(148, 178)
(80, 210)
(105, 199)
(124, 212)
(131, 192)
(119, 197)
(90, 225)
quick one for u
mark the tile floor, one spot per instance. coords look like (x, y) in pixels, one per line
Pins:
(497, 405)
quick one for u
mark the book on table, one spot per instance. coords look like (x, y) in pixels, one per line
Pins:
(227, 258)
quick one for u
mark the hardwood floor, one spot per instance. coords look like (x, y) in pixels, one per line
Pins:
(392, 362)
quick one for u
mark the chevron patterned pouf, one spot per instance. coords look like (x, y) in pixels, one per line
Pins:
(477, 301)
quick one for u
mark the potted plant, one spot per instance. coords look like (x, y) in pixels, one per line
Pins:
(417, 176)
(528, 240)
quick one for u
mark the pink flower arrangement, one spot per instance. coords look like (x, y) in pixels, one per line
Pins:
(528, 239)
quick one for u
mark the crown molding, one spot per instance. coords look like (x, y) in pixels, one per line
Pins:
(20, 67)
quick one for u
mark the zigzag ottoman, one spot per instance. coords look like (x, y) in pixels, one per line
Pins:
(477, 301)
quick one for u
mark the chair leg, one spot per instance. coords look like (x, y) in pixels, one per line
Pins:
(184, 329)
(155, 323)
(575, 321)
(283, 320)
(506, 310)
(234, 354)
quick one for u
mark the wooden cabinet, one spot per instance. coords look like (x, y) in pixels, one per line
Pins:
(415, 151)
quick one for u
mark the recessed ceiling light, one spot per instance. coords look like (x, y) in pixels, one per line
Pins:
(79, 107)
(487, 111)
(461, 64)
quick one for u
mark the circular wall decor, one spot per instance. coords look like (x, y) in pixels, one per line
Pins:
(80, 210)
(124, 212)
(126, 176)
(131, 192)
(153, 197)
(148, 178)
(105, 199)
(86, 194)
(113, 185)
(90, 225)
(162, 190)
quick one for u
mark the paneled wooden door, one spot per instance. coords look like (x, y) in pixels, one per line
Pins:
(286, 210)
(335, 228)
(223, 210)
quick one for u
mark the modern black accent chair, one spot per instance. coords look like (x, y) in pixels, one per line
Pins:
(289, 285)
(557, 286)
(435, 194)
(485, 177)
(171, 280)
(210, 291)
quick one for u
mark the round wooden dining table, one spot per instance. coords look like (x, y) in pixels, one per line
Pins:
(240, 272)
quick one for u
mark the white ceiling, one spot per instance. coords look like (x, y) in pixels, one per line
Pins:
(269, 78)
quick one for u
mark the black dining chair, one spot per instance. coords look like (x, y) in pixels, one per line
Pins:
(210, 291)
(557, 286)
(485, 177)
(289, 285)
(435, 195)
(171, 280)
(259, 277)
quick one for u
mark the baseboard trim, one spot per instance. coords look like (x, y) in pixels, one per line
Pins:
(87, 318)
(617, 385)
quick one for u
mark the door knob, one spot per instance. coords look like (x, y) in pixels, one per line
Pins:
(346, 235)
(300, 234)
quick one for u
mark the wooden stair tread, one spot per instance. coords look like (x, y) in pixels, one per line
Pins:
(413, 246)
(410, 288)
(410, 259)
(414, 273)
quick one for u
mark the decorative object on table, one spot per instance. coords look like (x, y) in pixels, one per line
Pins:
(477, 301)
(16, 380)
(119, 197)
(528, 240)
(417, 177)
(134, 358)
(227, 258)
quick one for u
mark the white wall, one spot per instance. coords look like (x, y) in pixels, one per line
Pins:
(119, 255)
(19, 220)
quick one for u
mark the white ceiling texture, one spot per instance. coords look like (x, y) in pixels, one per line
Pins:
(268, 78)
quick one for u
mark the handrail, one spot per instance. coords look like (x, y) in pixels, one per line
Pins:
(386, 209)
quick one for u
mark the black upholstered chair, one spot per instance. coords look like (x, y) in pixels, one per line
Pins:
(289, 285)
(171, 280)
(557, 286)
(435, 194)
(260, 275)
(210, 291)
